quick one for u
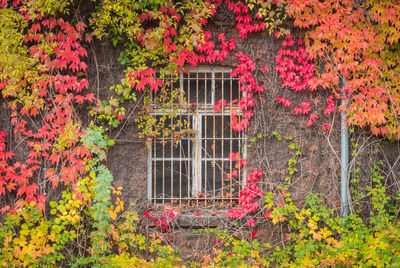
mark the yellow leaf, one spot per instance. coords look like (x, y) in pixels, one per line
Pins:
(325, 232)
(113, 215)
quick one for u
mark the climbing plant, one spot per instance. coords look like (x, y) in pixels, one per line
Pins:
(44, 87)
(358, 42)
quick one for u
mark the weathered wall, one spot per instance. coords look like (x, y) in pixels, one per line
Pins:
(127, 159)
(318, 166)
(318, 169)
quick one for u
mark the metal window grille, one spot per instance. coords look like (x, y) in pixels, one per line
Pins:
(191, 170)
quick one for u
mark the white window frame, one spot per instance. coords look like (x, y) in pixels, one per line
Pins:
(203, 110)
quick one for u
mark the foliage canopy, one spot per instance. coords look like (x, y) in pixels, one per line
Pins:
(44, 87)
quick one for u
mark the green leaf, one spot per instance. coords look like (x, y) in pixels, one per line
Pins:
(110, 142)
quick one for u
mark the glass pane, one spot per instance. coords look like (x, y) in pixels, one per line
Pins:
(181, 148)
(163, 148)
(178, 136)
(180, 177)
(217, 126)
(235, 90)
(221, 148)
(177, 87)
(214, 178)
(196, 90)
(194, 94)
(227, 89)
(231, 93)
(227, 75)
(190, 96)
(177, 83)
(218, 89)
(231, 146)
(193, 75)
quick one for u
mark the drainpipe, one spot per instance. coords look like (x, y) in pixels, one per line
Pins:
(344, 157)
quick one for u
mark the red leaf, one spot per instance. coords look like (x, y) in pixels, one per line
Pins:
(298, 110)
(4, 209)
(90, 97)
(326, 127)
(79, 99)
(80, 26)
(287, 103)
(233, 156)
(54, 158)
(264, 69)
(41, 198)
(313, 117)
(254, 234)
(268, 214)
(234, 173)
(49, 173)
(251, 222)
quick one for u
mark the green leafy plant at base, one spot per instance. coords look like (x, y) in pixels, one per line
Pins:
(114, 240)
(85, 219)
(233, 252)
(29, 238)
(319, 238)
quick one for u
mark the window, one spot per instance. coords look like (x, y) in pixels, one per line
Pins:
(190, 167)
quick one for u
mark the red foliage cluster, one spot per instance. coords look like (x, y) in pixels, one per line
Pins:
(248, 196)
(207, 50)
(296, 70)
(55, 153)
(163, 222)
(244, 20)
(358, 42)
(294, 66)
(248, 86)
(330, 108)
(286, 102)
(141, 79)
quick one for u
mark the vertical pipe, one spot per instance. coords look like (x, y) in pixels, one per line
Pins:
(180, 144)
(172, 159)
(344, 155)
(204, 138)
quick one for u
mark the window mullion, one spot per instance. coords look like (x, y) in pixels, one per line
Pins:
(196, 155)
(150, 173)
(213, 127)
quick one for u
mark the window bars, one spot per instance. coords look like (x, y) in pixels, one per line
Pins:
(188, 164)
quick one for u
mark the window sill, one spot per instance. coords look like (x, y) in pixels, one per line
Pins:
(208, 218)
